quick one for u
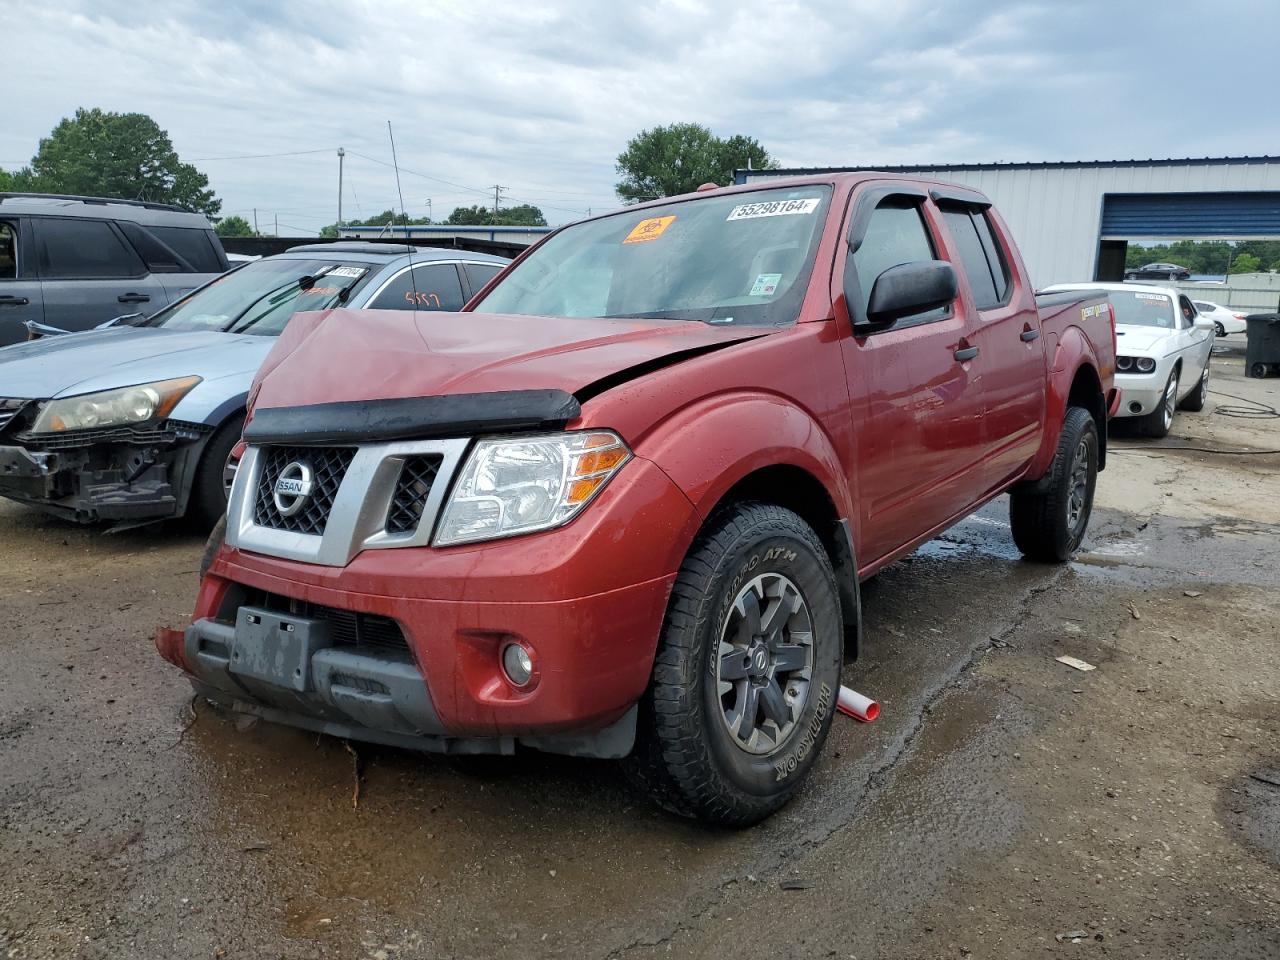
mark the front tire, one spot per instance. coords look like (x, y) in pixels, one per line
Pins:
(1197, 398)
(747, 670)
(1218, 329)
(1049, 520)
(208, 500)
(1159, 421)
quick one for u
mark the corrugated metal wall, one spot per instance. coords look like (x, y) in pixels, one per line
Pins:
(1055, 211)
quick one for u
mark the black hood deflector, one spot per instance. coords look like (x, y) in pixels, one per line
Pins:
(414, 418)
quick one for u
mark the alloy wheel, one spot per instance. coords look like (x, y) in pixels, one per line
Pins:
(1078, 492)
(764, 663)
(1170, 401)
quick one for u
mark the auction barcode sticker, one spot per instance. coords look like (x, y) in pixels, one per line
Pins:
(773, 208)
(1158, 297)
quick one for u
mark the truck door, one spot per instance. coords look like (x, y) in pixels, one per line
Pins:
(1010, 360)
(89, 273)
(20, 299)
(916, 406)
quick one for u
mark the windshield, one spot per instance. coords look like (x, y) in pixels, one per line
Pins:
(261, 297)
(1143, 309)
(743, 258)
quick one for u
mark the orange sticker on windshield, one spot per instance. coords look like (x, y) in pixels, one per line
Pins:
(650, 229)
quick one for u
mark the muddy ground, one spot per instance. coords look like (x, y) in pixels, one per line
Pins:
(1004, 805)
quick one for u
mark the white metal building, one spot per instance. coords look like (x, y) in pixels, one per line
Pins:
(1072, 220)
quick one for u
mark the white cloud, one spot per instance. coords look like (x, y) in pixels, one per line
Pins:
(542, 96)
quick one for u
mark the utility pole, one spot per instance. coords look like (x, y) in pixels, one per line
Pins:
(341, 153)
(429, 216)
(277, 233)
(497, 197)
(255, 221)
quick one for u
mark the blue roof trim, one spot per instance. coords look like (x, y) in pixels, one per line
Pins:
(739, 176)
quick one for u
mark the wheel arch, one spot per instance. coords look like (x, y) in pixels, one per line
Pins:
(799, 491)
(1086, 392)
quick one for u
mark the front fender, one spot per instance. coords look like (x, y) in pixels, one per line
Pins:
(709, 446)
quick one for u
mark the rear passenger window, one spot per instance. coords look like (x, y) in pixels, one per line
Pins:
(895, 234)
(478, 274)
(83, 250)
(433, 286)
(193, 245)
(978, 255)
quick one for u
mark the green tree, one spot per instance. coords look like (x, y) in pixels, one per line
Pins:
(680, 158)
(1245, 263)
(383, 219)
(524, 215)
(234, 227)
(124, 155)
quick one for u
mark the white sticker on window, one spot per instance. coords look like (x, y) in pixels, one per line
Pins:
(765, 286)
(773, 208)
(1152, 296)
(347, 272)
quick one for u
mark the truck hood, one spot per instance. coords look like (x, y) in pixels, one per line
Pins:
(104, 359)
(346, 355)
(1137, 338)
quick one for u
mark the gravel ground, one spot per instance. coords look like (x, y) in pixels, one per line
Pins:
(1005, 805)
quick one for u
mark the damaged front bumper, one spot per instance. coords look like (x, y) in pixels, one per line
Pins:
(116, 474)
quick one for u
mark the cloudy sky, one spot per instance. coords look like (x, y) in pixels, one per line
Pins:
(540, 96)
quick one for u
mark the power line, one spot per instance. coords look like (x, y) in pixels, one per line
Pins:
(261, 156)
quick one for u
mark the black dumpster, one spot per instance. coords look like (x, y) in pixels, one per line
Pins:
(1262, 355)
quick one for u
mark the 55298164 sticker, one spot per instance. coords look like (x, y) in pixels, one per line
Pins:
(773, 208)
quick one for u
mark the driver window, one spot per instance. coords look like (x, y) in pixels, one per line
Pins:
(895, 234)
(8, 252)
(1188, 312)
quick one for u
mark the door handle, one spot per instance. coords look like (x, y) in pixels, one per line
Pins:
(968, 353)
(133, 298)
(11, 301)
(1029, 335)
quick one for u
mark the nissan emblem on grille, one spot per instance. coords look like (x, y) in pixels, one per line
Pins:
(293, 488)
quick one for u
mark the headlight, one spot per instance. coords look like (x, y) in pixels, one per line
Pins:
(113, 408)
(522, 484)
(1146, 364)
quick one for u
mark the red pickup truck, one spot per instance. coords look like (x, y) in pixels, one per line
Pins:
(621, 505)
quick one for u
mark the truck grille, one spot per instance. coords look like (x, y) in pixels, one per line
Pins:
(328, 466)
(412, 489)
(348, 628)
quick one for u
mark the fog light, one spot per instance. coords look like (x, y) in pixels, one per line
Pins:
(1135, 407)
(517, 664)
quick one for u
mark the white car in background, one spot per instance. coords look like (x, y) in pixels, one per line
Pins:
(1162, 352)
(1225, 321)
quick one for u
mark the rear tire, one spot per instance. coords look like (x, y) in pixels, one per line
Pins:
(1159, 421)
(1196, 399)
(747, 671)
(1218, 329)
(208, 500)
(1049, 521)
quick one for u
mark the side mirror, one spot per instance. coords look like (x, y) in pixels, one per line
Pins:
(910, 288)
(1203, 323)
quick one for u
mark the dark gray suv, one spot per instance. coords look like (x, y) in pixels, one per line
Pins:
(76, 262)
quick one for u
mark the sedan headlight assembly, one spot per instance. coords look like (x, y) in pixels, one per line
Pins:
(113, 408)
(524, 484)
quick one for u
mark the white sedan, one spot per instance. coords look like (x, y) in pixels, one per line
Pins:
(1162, 352)
(1225, 321)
